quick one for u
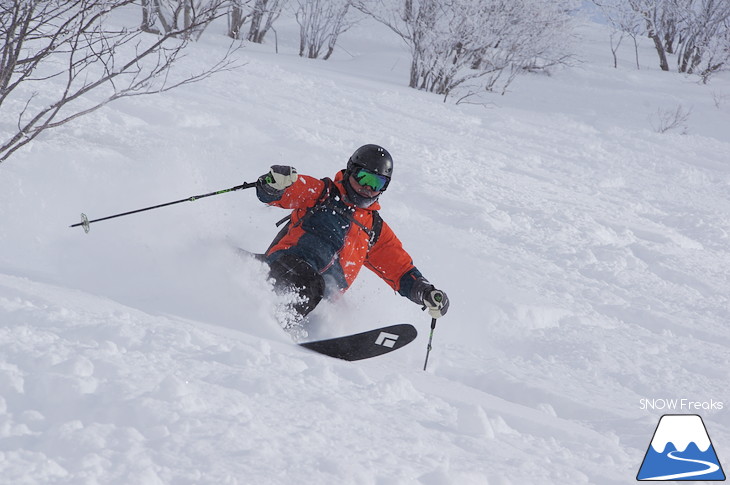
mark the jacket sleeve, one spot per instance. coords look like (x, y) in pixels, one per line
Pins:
(302, 193)
(392, 263)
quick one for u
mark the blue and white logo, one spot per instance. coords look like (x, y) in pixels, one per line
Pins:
(681, 450)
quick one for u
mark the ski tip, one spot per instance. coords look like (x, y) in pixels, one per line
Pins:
(251, 254)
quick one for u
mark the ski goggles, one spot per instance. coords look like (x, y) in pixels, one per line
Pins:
(375, 181)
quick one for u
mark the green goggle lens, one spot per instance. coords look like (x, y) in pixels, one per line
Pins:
(367, 178)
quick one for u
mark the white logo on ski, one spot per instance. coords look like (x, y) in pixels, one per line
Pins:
(386, 339)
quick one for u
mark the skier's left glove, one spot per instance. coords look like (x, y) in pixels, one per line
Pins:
(432, 299)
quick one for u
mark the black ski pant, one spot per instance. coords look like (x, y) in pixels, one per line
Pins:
(291, 274)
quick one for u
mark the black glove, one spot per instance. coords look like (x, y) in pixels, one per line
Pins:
(276, 180)
(424, 293)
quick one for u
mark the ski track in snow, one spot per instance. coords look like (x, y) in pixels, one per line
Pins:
(585, 256)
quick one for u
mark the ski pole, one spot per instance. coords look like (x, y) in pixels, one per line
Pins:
(430, 339)
(85, 222)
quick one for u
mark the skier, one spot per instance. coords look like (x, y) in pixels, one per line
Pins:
(333, 230)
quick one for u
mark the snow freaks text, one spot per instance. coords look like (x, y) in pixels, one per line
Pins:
(684, 405)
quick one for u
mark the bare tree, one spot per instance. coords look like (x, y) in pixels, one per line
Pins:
(62, 60)
(265, 13)
(239, 13)
(665, 120)
(720, 99)
(624, 22)
(148, 17)
(466, 47)
(321, 22)
(651, 12)
(704, 40)
(697, 32)
(411, 20)
(177, 15)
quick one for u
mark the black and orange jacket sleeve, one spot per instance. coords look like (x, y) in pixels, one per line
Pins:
(301, 194)
(392, 263)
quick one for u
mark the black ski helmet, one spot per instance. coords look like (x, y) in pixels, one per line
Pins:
(373, 158)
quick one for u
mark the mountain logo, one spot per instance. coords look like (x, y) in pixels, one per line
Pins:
(680, 450)
(386, 339)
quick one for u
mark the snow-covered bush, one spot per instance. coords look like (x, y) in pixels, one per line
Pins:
(320, 23)
(461, 48)
(696, 33)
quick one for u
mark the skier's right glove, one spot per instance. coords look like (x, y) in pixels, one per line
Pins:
(277, 179)
(435, 301)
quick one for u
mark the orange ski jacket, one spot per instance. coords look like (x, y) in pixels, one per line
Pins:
(337, 238)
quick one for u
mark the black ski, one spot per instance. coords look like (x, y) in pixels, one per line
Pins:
(366, 344)
(250, 254)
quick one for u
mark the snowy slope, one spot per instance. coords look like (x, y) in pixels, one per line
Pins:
(585, 256)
